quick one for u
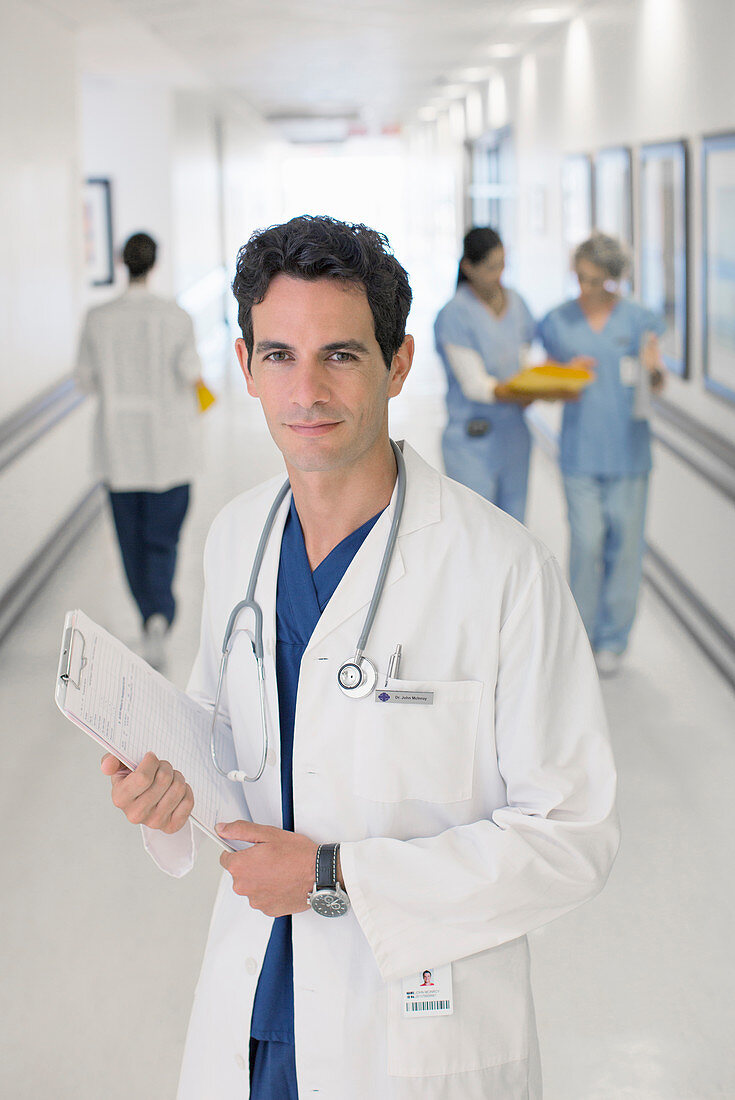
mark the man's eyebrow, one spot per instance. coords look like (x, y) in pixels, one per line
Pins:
(272, 345)
(345, 345)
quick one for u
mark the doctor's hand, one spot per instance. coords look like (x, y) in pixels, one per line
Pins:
(277, 873)
(154, 794)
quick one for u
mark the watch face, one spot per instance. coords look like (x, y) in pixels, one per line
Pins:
(329, 903)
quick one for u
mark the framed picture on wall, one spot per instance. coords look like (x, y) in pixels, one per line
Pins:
(613, 193)
(718, 187)
(577, 207)
(664, 245)
(97, 229)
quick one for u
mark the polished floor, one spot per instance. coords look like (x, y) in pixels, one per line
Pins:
(101, 951)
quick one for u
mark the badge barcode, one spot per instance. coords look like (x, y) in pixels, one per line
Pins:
(428, 1006)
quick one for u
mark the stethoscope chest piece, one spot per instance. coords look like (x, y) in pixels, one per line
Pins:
(357, 678)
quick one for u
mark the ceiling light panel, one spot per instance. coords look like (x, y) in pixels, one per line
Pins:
(286, 54)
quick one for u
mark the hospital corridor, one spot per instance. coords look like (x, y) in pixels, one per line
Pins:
(145, 143)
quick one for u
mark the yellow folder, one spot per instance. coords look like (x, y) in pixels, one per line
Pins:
(205, 397)
(551, 377)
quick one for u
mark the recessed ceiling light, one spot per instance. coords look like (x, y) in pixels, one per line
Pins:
(475, 73)
(547, 15)
(502, 49)
(451, 91)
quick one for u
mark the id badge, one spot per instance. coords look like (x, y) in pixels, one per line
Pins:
(629, 370)
(428, 993)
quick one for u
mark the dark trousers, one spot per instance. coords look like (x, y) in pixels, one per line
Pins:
(148, 526)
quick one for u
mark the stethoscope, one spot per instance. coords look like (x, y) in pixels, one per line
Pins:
(356, 678)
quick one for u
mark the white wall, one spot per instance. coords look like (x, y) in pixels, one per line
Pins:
(226, 183)
(40, 225)
(252, 184)
(39, 203)
(126, 137)
(196, 190)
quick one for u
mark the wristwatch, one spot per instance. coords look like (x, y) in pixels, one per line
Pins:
(328, 899)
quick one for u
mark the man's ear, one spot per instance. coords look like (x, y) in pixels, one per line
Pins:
(241, 351)
(400, 366)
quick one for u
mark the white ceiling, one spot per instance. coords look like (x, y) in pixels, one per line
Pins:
(376, 61)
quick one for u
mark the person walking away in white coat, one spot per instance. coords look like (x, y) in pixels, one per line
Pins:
(437, 817)
(137, 354)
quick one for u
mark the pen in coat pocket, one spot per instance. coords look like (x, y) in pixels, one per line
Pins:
(393, 665)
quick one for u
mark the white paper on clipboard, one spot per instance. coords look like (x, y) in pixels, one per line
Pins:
(130, 709)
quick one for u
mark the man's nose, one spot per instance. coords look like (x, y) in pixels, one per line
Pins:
(310, 383)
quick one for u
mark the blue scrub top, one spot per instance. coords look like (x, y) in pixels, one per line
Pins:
(301, 597)
(465, 322)
(599, 437)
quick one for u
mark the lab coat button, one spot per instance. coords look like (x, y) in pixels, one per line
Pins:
(270, 758)
(240, 1062)
(251, 966)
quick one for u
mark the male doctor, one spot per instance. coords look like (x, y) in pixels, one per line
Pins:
(430, 823)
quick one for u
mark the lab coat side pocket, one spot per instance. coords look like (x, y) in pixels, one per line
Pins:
(422, 751)
(490, 1026)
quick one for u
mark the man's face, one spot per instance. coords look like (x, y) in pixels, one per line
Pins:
(319, 373)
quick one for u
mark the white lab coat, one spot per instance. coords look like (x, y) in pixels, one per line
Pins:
(463, 825)
(138, 355)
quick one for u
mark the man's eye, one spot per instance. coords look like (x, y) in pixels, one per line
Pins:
(342, 357)
(277, 356)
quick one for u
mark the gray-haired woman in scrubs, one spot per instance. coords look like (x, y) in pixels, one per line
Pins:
(605, 442)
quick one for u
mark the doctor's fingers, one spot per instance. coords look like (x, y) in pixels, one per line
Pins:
(236, 864)
(173, 808)
(139, 793)
(110, 765)
(160, 803)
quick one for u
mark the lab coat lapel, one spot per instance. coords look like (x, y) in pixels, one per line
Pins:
(356, 588)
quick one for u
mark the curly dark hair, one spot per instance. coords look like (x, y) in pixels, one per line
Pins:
(319, 247)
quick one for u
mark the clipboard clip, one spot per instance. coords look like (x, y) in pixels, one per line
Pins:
(73, 660)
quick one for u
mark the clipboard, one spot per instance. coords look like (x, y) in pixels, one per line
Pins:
(129, 708)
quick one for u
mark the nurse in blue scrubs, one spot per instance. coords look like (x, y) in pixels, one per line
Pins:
(480, 335)
(605, 442)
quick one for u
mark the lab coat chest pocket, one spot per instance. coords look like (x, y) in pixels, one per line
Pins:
(423, 751)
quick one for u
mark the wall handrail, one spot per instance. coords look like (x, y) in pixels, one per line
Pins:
(704, 436)
(27, 425)
(710, 455)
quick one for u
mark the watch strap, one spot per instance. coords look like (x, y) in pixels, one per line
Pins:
(326, 866)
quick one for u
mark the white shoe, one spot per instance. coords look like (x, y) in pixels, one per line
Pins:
(608, 663)
(154, 650)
